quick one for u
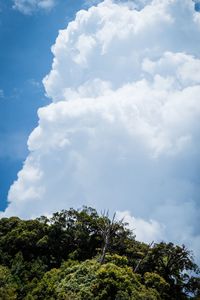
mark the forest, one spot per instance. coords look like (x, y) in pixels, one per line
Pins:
(80, 254)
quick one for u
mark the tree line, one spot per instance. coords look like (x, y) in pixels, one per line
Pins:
(79, 254)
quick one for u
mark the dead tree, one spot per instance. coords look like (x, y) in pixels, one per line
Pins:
(142, 259)
(107, 229)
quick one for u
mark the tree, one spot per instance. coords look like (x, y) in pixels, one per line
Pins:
(58, 258)
(7, 285)
(89, 280)
(173, 263)
(107, 229)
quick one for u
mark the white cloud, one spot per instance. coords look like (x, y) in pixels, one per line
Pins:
(29, 6)
(146, 231)
(122, 131)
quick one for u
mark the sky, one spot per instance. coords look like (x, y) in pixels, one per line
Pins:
(26, 35)
(106, 117)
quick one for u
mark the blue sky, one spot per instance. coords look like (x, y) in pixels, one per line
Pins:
(25, 58)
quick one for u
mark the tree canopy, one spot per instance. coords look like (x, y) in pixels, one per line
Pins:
(79, 254)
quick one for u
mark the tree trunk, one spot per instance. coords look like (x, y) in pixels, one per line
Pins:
(105, 247)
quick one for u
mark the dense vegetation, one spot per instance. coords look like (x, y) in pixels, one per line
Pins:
(77, 254)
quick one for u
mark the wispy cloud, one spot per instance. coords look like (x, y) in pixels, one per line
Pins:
(29, 6)
(92, 2)
(12, 146)
(1, 94)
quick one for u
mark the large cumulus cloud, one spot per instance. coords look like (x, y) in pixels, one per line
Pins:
(122, 131)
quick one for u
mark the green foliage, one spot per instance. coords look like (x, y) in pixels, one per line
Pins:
(7, 285)
(59, 258)
(114, 282)
(90, 280)
(46, 288)
(173, 263)
(155, 281)
(117, 259)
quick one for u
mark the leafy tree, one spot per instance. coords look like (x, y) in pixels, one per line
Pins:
(155, 281)
(7, 285)
(77, 254)
(173, 263)
(91, 280)
(46, 288)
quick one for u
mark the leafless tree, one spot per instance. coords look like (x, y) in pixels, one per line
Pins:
(142, 259)
(108, 229)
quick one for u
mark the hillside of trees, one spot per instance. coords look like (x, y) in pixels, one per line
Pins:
(79, 254)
